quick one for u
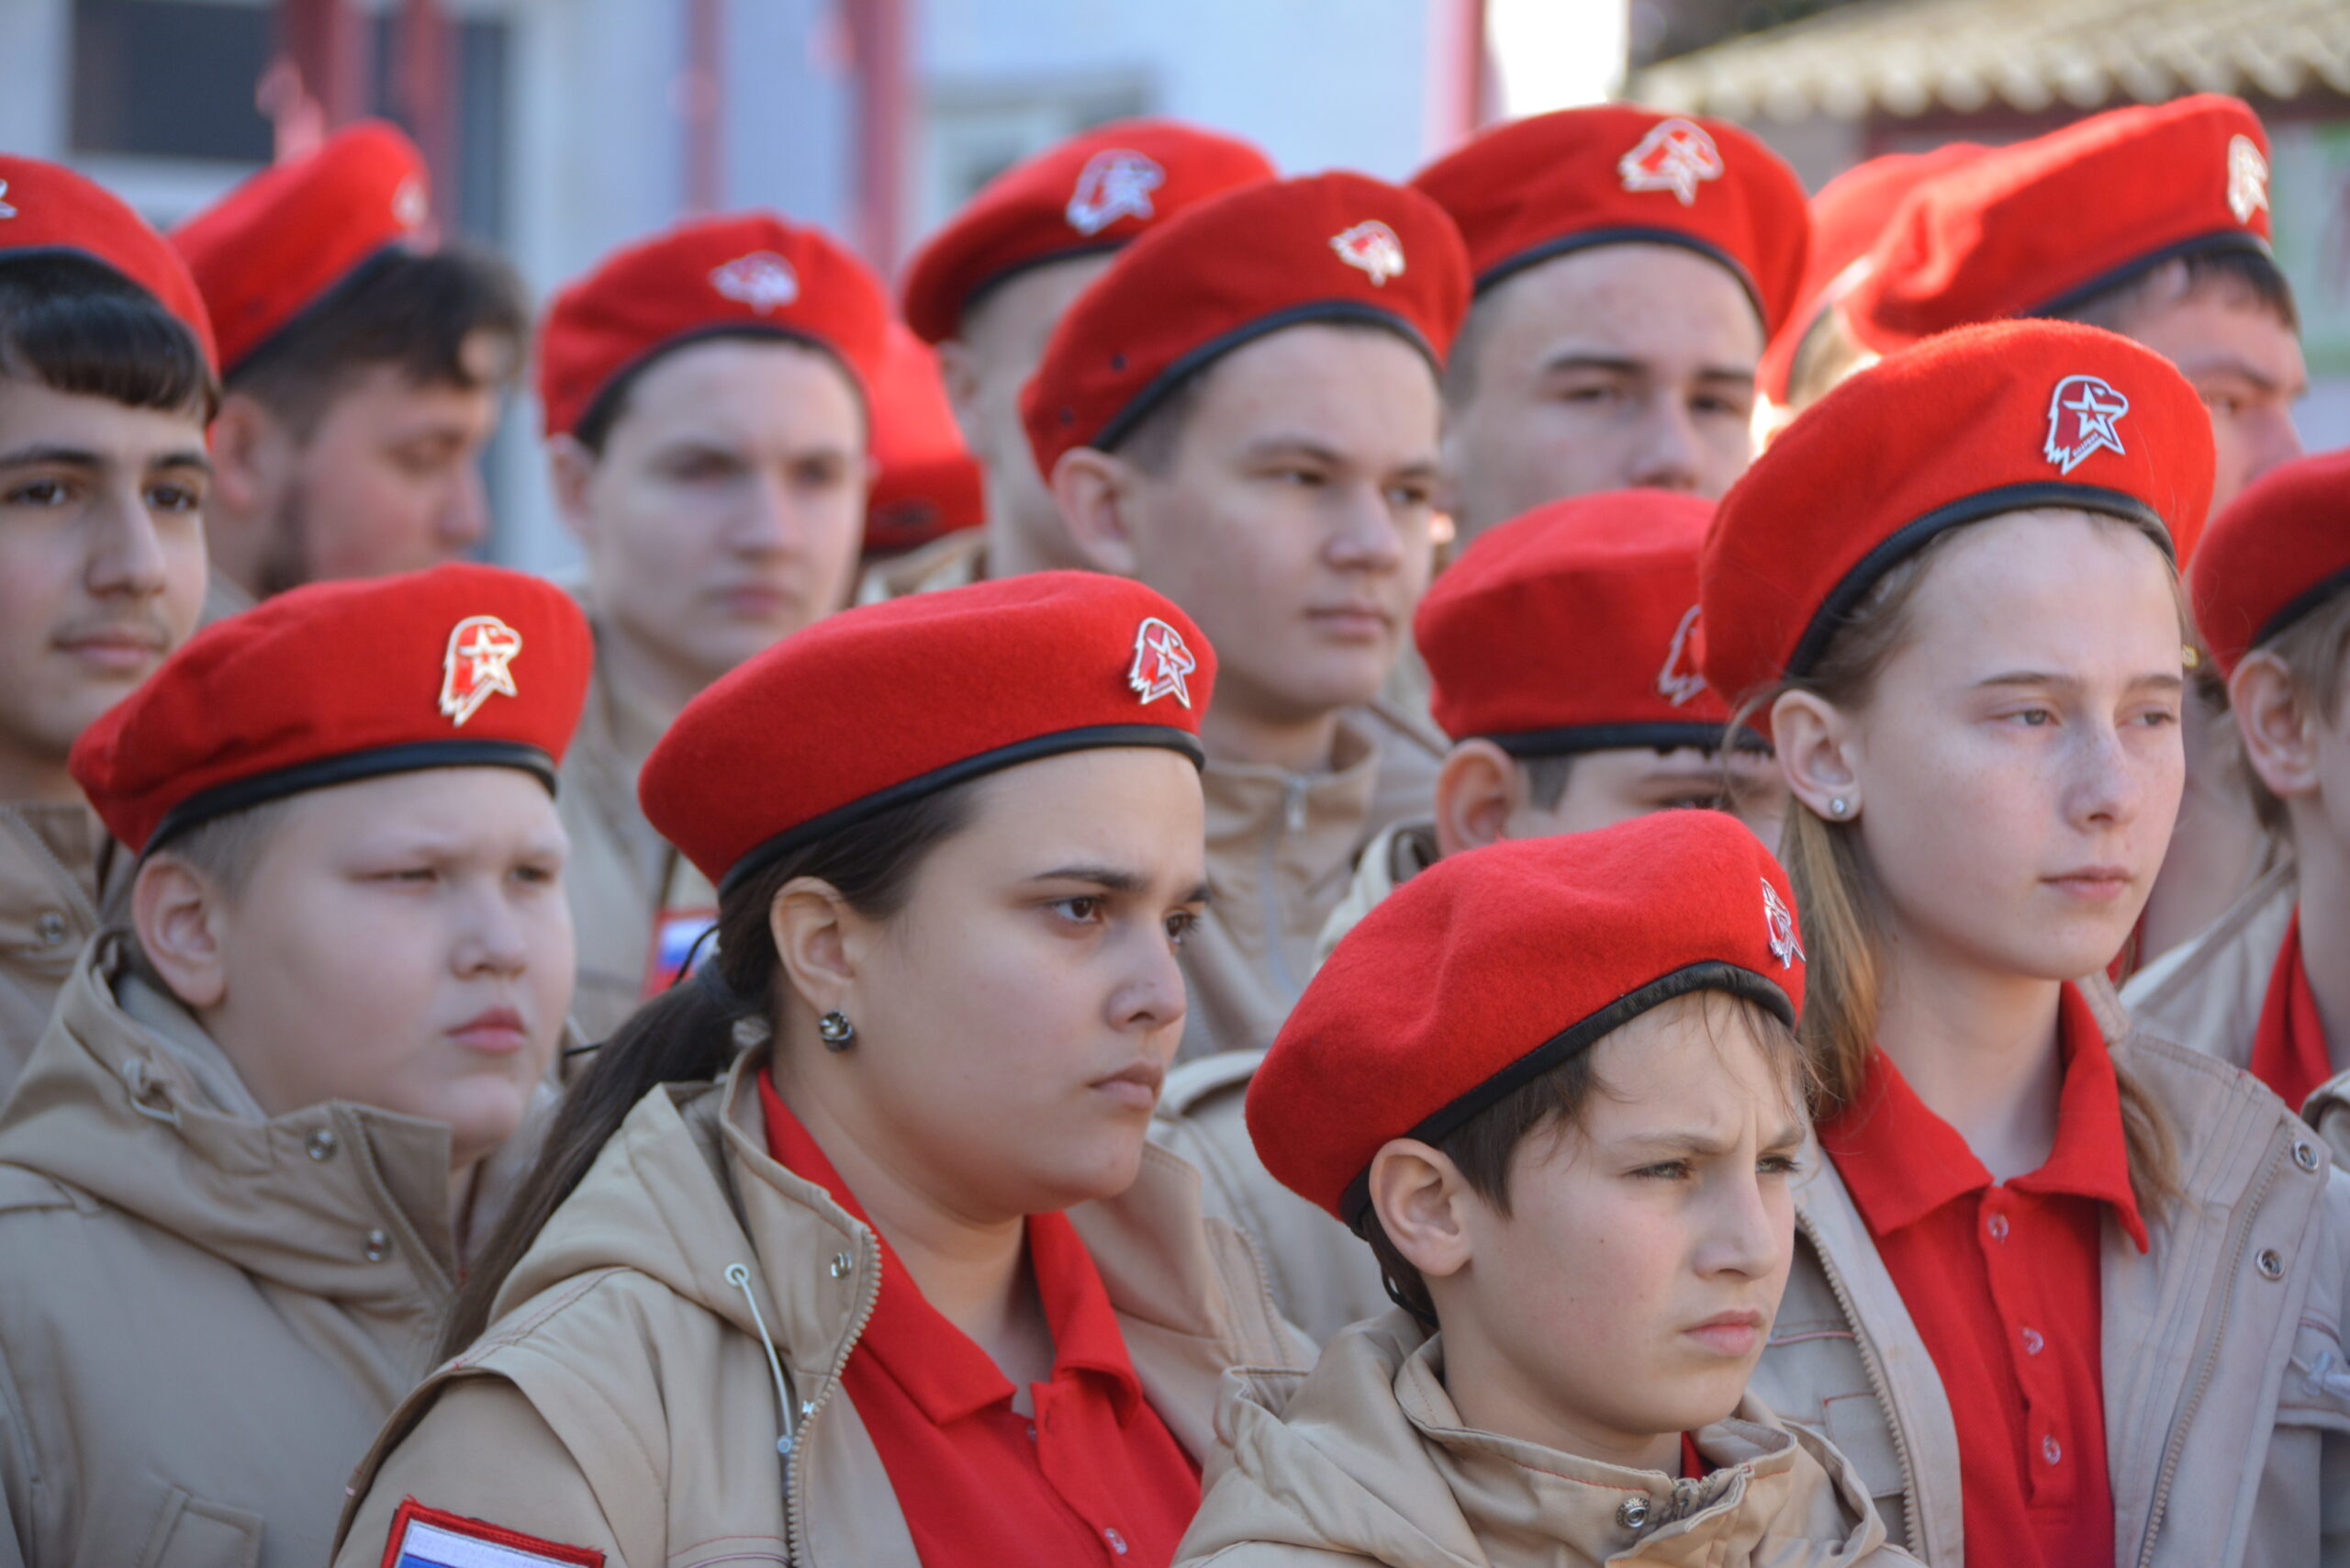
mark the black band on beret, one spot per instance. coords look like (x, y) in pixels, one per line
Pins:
(240, 794)
(1713, 974)
(1095, 737)
(1534, 255)
(2241, 240)
(2301, 604)
(1915, 535)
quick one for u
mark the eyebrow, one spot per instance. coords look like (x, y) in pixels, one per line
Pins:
(2068, 683)
(1571, 360)
(1115, 878)
(69, 457)
(2231, 364)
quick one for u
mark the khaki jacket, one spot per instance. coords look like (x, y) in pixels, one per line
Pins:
(2227, 1408)
(55, 864)
(1366, 1459)
(1401, 852)
(205, 1315)
(624, 1400)
(1323, 1275)
(958, 560)
(2207, 992)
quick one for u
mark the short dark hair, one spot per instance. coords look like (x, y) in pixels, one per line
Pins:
(75, 325)
(416, 311)
(1484, 1147)
(2253, 272)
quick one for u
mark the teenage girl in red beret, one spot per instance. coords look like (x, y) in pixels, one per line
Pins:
(2064, 1295)
(850, 1248)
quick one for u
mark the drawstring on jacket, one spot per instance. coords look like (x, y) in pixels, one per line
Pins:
(739, 1276)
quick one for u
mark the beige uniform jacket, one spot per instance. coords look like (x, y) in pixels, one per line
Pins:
(2207, 992)
(205, 1315)
(1401, 852)
(2227, 1409)
(55, 864)
(1366, 1460)
(624, 1399)
(958, 560)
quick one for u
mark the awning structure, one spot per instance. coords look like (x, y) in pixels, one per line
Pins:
(1912, 57)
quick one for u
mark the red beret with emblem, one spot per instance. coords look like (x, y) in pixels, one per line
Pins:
(2280, 551)
(278, 244)
(1573, 628)
(2034, 228)
(1089, 194)
(1337, 247)
(462, 665)
(46, 208)
(1497, 965)
(742, 274)
(1847, 214)
(926, 484)
(1543, 186)
(883, 704)
(1962, 426)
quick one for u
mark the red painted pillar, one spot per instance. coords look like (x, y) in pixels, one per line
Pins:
(882, 44)
(701, 100)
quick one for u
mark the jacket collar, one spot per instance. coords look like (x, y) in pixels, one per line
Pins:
(53, 863)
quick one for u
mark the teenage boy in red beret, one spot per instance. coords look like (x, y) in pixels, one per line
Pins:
(363, 369)
(1562, 651)
(988, 288)
(105, 383)
(2264, 986)
(1243, 413)
(1629, 267)
(276, 1109)
(1554, 1084)
(708, 395)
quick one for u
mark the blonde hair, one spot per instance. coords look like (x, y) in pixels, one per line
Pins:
(1840, 903)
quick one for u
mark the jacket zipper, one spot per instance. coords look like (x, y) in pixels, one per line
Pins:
(2176, 1443)
(1878, 1385)
(795, 1474)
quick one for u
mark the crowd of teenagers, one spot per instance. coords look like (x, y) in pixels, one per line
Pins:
(1577, 862)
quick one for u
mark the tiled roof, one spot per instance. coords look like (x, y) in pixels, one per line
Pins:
(1908, 57)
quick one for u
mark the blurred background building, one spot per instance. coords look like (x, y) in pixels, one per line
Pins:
(558, 128)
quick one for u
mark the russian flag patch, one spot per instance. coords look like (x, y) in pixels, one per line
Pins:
(427, 1537)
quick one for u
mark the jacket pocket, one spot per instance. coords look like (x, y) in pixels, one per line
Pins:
(193, 1533)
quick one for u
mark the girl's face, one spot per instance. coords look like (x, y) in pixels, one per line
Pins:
(2018, 765)
(1015, 1019)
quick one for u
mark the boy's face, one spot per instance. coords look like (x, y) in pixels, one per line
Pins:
(402, 943)
(1605, 788)
(1629, 1293)
(101, 563)
(2245, 363)
(1293, 519)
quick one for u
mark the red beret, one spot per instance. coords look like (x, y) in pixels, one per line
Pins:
(1336, 247)
(926, 483)
(1560, 182)
(2280, 549)
(46, 208)
(1962, 426)
(1091, 193)
(883, 704)
(459, 666)
(1494, 966)
(1573, 628)
(2034, 228)
(1847, 214)
(744, 272)
(276, 245)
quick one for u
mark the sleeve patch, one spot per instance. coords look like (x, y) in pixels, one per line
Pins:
(427, 1537)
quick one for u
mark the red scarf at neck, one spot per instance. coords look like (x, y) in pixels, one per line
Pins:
(2289, 1052)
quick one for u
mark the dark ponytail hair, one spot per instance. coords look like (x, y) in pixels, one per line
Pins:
(693, 1032)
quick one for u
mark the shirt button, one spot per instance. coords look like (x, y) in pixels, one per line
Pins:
(1633, 1513)
(1997, 1226)
(2033, 1343)
(51, 927)
(2052, 1451)
(321, 1145)
(1117, 1542)
(379, 1246)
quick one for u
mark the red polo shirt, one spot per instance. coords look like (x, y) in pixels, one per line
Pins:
(1094, 1476)
(2003, 1280)
(2288, 1049)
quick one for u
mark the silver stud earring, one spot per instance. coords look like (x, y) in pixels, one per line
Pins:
(1838, 807)
(834, 1029)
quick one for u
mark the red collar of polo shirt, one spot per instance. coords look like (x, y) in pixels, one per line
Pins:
(943, 1372)
(1901, 1161)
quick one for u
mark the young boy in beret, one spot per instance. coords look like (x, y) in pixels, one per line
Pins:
(272, 1115)
(2262, 988)
(987, 290)
(1243, 413)
(364, 365)
(106, 384)
(1562, 648)
(1555, 1086)
(1629, 267)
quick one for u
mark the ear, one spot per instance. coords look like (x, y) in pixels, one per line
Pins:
(178, 914)
(247, 446)
(2279, 735)
(571, 470)
(959, 371)
(818, 939)
(1478, 790)
(1419, 1195)
(1096, 493)
(1819, 753)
